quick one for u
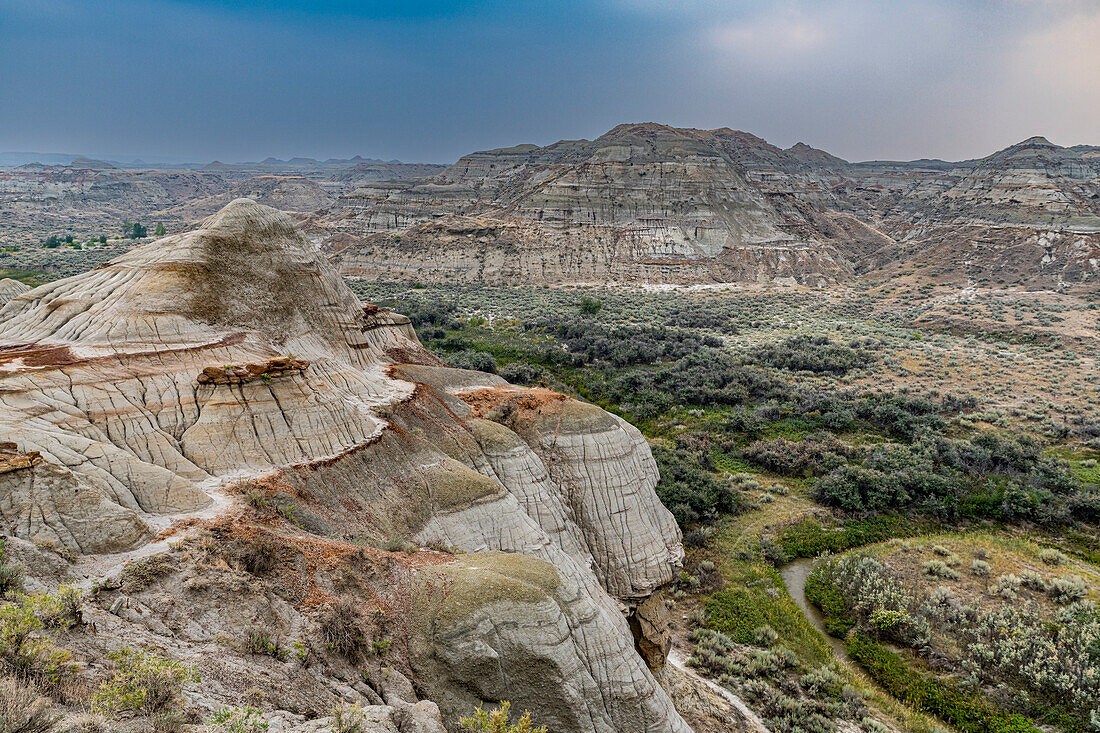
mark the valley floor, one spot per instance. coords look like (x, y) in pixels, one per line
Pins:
(792, 424)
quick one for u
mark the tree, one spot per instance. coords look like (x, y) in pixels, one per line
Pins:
(160, 230)
(103, 239)
(53, 241)
(133, 230)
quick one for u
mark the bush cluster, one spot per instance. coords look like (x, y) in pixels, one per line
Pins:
(989, 476)
(967, 710)
(142, 682)
(689, 487)
(818, 354)
(1010, 641)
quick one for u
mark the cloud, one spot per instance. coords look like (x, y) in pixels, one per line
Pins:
(435, 79)
(1052, 80)
(779, 35)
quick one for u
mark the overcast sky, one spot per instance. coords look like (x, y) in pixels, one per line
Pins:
(426, 80)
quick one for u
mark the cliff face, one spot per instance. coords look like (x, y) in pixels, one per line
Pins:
(223, 387)
(650, 203)
(642, 203)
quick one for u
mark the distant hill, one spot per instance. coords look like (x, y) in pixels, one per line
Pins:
(651, 203)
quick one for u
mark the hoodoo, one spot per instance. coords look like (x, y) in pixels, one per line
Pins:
(213, 433)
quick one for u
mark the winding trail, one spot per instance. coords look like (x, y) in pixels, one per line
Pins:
(794, 577)
(754, 721)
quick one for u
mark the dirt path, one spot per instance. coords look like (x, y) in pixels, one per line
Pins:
(97, 568)
(677, 661)
(794, 577)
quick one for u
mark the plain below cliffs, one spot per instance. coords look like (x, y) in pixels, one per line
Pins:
(215, 432)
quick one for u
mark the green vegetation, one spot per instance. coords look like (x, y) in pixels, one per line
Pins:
(497, 721)
(792, 425)
(258, 640)
(753, 602)
(828, 598)
(142, 572)
(237, 720)
(27, 277)
(966, 710)
(24, 650)
(142, 683)
(808, 538)
(1001, 636)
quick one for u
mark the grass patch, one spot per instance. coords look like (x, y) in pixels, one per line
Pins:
(757, 597)
(838, 621)
(27, 277)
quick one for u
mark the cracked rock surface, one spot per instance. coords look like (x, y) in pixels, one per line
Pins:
(223, 388)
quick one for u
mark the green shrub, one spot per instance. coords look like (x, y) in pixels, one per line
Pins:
(347, 719)
(61, 609)
(480, 361)
(968, 711)
(691, 491)
(590, 305)
(24, 650)
(813, 354)
(237, 720)
(142, 683)
(939, 569)
(1033, 580)
(259, 641)
(1006, 586)
(1067, 589)
(1051, 556)
(496, 721)
(809, 457)
(529, 375)
(888, 620)
(140, 573)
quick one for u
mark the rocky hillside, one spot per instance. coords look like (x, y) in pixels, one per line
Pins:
(642, 203)
(651, 203)
(251, 474)
(89, 198)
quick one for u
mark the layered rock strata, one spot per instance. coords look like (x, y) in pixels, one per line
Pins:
(648, 203)
(231, 361)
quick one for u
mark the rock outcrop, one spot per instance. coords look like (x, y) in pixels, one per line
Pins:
(642, 203)
(649, 203)
(10, 289)
(155, 394)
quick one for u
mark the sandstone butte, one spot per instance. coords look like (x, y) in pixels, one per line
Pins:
(212, 434)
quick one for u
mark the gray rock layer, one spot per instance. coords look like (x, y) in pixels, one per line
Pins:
(232, 358)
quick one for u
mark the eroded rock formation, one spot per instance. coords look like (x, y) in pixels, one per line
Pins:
(225, 388)
(648, 203)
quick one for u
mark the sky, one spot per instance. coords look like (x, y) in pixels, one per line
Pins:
(427, 80)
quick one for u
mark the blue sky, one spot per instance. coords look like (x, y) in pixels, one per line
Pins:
(430, 80)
